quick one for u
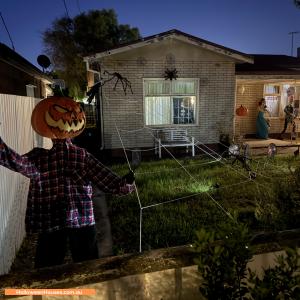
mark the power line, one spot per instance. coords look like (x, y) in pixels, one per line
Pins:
(66, 8)
(12, 43)
(78, 6)
(292, 46)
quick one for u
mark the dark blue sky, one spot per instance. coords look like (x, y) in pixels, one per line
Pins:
(250, 26)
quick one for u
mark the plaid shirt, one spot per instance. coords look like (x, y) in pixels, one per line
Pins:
(60, 193)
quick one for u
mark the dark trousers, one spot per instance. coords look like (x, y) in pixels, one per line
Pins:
(286, 123)
(52, 246)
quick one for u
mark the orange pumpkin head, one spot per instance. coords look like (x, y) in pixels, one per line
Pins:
(58, 118)
(242, 111)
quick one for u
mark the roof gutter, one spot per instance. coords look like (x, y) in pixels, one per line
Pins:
(99, 107)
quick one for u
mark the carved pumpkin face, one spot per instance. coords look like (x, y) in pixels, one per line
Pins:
(58, 118)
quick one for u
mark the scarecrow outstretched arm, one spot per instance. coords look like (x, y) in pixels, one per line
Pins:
(105, 179)
(16, 162)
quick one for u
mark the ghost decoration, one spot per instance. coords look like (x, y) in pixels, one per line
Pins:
(58, 118)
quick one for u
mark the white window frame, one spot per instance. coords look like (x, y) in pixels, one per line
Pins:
(170, 94)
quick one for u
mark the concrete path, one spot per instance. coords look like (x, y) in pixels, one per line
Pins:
(102, 223)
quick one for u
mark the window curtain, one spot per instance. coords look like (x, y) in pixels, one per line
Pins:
(183, 87)
(273, 103)
(157, 88)
(157, 110)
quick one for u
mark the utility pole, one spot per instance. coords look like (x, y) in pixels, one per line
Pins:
(292, 34)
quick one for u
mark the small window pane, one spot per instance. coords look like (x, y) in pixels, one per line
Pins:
(157, 110)
(184, 110)
(183, 87)
(272, 89)
(157, 88)
(272, 103)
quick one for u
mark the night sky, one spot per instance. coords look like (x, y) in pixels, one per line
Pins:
(250, 26)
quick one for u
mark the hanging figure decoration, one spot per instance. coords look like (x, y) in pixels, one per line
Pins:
(234, 152)
(59, 204)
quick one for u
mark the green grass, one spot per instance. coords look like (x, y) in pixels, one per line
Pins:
(196, 196)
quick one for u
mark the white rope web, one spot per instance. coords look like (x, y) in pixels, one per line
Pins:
(216, 157)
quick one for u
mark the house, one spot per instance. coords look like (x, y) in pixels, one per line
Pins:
(212, 81)
(19, 77)
(269, 77)
(201, 99)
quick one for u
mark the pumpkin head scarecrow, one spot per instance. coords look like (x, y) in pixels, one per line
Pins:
(60, 204)
(58, 118)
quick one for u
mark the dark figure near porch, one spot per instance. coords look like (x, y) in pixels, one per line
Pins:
(289, 115)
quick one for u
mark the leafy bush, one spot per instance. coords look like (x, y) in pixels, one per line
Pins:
(222, 256)
(280, 282)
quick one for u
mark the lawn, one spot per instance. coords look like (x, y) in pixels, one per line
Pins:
(180, 197)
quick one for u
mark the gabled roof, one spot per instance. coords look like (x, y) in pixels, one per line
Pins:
(265, 64)
(11, 57)
(176, 34)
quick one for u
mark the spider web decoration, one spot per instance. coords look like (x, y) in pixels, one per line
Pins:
(170, 59)
(141, 61)
(239, 153)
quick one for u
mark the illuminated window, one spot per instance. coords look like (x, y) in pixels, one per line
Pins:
(272, 94)
(170, 102)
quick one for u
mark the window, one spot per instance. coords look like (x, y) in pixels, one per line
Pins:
(30, 90)
(276, 96)
(272, 94)
(170, 102)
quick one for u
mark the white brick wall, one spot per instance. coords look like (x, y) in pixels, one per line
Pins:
(215, 100)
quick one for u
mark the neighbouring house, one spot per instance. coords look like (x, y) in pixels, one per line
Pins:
(269, 77)
(212, 81)
(19, 77)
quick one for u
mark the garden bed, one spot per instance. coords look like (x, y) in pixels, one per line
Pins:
(78, 274)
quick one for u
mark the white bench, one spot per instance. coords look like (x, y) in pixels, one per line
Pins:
(173, 137)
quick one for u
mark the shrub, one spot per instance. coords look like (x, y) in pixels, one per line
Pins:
(222, 256)
(280, 282)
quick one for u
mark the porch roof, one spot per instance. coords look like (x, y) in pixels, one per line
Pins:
(266, 64)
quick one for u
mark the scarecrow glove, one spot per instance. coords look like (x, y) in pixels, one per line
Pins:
(129, 178)
(126, 189)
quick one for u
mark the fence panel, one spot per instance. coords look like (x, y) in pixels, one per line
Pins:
(16, 131)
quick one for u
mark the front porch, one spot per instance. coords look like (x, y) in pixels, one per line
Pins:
(260, 147)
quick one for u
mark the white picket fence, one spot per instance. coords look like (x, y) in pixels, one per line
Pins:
(16, 131)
